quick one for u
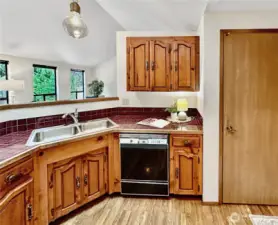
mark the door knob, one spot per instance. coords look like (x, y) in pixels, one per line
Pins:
(230, 129)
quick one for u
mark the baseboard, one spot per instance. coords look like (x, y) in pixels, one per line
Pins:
(211, 203)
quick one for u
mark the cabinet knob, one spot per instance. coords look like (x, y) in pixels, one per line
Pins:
(86, 179)
(12, 178)
(77, 182)
(176, 66)
(177, 173)
(30, 211)
(187, 143)
(153, 65)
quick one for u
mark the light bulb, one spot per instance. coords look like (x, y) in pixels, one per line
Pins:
(74, 24)
(76, 34)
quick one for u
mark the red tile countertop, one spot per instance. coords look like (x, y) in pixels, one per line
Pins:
(127, 123)
(12, 146)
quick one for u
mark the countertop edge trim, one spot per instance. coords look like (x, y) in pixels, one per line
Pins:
(60, 102)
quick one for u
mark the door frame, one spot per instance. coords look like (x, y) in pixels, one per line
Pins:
(224, 32)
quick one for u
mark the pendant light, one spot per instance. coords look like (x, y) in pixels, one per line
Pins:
(74, 24)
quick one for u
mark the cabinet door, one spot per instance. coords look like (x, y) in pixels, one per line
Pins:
(66, 187)
(160, 52)
(184, 68)
(17, 206)
(95, 175)
(138, 65)
(186, 173)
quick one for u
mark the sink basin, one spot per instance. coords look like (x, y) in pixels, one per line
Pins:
(96, 125)
(52, 134)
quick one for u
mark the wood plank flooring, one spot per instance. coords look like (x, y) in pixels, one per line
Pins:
(119, 210)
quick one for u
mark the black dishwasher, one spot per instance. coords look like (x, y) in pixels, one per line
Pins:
(144, 164)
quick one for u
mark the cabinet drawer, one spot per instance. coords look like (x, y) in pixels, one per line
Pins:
(11, 177)
(186, 141)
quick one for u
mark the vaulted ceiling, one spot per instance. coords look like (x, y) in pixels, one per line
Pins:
(157, 15)
(33, 28)
(176, 15)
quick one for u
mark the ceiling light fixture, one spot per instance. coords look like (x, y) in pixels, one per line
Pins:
(74, 24)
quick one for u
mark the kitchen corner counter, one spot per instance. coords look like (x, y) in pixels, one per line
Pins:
(13, 148)
(128, 123)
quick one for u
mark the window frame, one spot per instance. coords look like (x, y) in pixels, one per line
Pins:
(83, 78)
(55, 74)
(7, 77)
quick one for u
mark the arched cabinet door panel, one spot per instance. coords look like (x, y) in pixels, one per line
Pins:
(186, 173)
(16, 207)
(184, 68)
(160, 64)
(138, 65)
(65, 187)
(95, 175)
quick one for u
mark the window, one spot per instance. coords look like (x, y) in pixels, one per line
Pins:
(4, 95)
(77, 84)
(44, 82)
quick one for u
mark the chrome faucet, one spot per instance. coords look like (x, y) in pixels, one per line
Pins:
(74, 116)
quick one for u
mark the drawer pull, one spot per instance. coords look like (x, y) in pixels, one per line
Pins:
(187, 143)
(13, 177)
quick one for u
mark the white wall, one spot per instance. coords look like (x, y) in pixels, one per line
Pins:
(213, 22)
(146, 99)
(22, 69)
(15, 114)
(107, 72)
(200, 99)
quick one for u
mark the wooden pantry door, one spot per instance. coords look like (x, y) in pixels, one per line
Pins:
(250, 116)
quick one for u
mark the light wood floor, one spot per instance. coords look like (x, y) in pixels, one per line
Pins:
(152, 211)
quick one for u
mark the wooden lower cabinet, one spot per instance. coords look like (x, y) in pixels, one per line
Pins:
(95, 175)
(76, 181)
(64, 187)
(17, 206)
(68, 176)
(186, 164)
(186, 173)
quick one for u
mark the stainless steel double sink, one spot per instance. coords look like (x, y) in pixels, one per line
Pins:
(56, 133)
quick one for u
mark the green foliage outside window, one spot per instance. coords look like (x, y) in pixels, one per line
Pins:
(3, 76)
(77, 84)
(44, 82)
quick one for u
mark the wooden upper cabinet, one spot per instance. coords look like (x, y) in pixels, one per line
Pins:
(186, 173)
(65, 187)
(184, 73)
(160, 64)
(138, 65)
(163, 64)
(95, 174)
(17, 206)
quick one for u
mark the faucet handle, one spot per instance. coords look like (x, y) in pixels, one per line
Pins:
(76, 112)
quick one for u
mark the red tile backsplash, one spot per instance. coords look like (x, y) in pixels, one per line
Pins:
(55, 120)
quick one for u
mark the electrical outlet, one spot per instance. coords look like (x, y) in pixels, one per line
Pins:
(125, 101)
